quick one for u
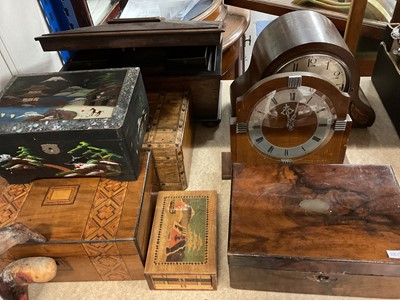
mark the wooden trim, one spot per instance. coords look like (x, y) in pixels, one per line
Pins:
(82, 13)
(370, 28)
(354, 24)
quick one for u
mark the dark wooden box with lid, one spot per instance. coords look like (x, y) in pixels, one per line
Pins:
(73, 124)
(315, 229)
(96, 228)
(173, 56)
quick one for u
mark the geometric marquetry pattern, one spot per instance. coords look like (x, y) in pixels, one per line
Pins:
(60, 195)
(111, 267)
(182, 282)
(12, 199)
(104, 217)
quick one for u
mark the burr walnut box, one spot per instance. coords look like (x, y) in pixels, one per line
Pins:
(315, 229)
(170, 138)
(73, 124)
(182, 249)
(96, 228)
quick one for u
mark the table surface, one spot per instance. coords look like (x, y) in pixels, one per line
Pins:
(378, 144)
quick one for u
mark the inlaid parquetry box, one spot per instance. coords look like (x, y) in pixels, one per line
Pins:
(170, 138)
(96, 228)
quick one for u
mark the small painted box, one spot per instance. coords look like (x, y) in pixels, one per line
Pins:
(73, 124)
(97, 229)
(170, 138)
(183, 242)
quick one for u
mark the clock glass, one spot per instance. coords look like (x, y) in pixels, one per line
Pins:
(291, 122)
(328, 66)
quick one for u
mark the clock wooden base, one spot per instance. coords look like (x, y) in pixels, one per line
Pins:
(96, 229)
(315, 229)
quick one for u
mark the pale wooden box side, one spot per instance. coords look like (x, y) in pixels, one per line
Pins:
(182, 250)
(170, 138)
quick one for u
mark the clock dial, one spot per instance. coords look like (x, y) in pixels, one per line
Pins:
(328, 66)
(291, 122)
(291, 117)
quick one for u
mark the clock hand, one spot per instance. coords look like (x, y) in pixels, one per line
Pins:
(290, 116)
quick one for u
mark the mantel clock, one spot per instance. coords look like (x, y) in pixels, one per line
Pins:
(291, 117)
(306, 41)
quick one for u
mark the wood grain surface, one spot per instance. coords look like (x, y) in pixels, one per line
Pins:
(96, 228)
(291, 224)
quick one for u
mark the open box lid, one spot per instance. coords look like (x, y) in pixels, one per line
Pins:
(128, 33)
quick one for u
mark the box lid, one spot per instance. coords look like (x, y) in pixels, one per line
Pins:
(169, 115)
(69, 101)
(131, 34)
(82, 216)
(315, 218)
(183, 235)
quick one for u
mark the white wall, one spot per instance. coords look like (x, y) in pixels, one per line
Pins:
(251, 33)
(5, 73)
(20, 22)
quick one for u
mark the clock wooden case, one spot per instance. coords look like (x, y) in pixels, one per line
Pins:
(291, 117)
(306, 41)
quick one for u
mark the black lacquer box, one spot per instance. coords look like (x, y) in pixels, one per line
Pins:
(73, 124)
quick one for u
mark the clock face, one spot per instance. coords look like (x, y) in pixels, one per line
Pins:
(327, 66)
(291, 122)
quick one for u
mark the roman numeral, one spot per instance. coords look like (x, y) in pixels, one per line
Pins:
(274, 101)
(286, 152)
(270, 149)
(317, 139)
(259, 140)
(292, 96)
